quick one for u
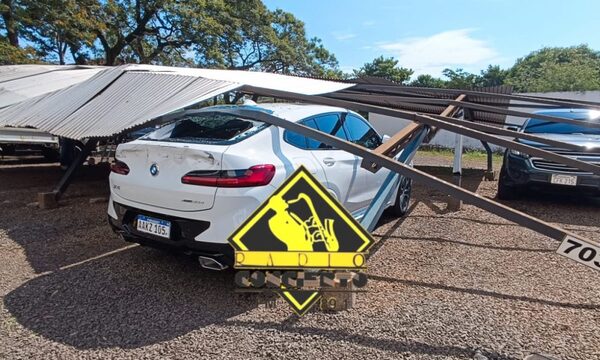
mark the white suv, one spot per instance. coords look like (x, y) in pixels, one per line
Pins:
(191, 183)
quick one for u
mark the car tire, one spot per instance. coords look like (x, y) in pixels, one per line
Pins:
(400, 207)
(505, 191)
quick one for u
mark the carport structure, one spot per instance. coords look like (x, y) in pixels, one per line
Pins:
(121, 99)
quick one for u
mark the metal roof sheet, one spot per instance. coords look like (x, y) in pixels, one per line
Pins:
(117, 99)
(18, 83)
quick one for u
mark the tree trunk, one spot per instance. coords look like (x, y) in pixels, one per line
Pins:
(11, 25)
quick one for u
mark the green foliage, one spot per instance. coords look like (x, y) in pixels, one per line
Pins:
(427, 80)
(385, 68)
(574, 68)
(460, 79)
(11, 55)
(210, 33)
(58, 26)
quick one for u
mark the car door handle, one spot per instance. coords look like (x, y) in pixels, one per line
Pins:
(329, 161)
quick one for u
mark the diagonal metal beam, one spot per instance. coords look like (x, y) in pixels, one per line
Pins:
(504, 211)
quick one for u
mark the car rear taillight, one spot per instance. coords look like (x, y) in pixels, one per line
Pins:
(257, 175)
(119, 167)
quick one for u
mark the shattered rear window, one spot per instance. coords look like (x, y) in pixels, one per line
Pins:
(208, 129)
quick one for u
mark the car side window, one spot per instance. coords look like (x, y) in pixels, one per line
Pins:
(311, 143)
(330, 124)
(361, 133)
(295, 139)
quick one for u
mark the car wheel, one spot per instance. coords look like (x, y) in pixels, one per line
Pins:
(400, 208)
(505, 191)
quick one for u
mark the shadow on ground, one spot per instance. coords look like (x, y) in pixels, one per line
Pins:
(134, 298)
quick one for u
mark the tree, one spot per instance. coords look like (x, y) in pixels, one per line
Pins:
(56, 27)
(460, 79)
(426, 80)
(574, 68)
(492, 76)
(9, 11)
(245, 35)
(385, 68)
(11, 55)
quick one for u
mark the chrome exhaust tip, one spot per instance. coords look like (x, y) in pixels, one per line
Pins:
(211, 263)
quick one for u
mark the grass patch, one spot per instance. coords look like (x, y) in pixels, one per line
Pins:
(467, 155)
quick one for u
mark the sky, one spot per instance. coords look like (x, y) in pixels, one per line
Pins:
(431, 35)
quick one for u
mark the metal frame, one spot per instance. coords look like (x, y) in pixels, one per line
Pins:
(454, 125)
(396, 166)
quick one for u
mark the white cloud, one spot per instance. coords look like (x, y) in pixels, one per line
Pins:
(448, 49)
(343, 36)
(368, 23)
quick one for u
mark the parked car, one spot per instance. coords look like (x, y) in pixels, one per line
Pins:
(190, 184)
(521, 171)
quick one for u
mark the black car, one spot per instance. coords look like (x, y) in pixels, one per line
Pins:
(521, 171)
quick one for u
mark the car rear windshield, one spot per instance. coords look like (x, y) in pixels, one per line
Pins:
(208, 129)
(537, 126)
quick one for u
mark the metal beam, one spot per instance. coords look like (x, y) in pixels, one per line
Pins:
(393, 89)
(504, 211)
(448, 112)
(68, 176)
(431, 121)
(391, 100)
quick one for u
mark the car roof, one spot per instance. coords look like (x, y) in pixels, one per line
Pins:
(289, 111)
(578, 114)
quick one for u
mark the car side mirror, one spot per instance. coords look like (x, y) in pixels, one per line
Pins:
(385, 138)
(513, 128)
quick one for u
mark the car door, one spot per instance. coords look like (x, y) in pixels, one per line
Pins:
(341, 168)
(360, 132)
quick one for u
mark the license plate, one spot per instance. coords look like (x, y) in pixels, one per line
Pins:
(154, 226)
(559, 179)
(581, 251)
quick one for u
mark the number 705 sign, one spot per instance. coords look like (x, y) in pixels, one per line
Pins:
(580, 251)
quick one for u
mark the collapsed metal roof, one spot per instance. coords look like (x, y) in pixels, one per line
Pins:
(22, 82)
(117, 99)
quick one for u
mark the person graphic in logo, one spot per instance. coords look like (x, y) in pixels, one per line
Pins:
(298, 234)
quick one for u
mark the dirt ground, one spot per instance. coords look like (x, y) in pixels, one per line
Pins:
(446, 285)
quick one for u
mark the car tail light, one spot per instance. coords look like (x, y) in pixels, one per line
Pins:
(257, 175)
(119, 167)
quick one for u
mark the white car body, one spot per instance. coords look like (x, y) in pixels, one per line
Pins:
(164, 196)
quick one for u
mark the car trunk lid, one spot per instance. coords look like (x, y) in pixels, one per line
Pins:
(156, 169)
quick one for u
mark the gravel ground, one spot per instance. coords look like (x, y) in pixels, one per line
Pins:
(446, 285)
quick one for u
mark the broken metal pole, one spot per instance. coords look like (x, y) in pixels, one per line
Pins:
(68, 176)
(489, 172)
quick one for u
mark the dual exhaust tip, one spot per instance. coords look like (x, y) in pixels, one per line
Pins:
(211, 263)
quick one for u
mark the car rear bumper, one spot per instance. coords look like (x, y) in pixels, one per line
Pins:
(521, 172)
(183, 233)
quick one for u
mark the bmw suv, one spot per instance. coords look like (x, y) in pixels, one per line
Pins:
(190, 184)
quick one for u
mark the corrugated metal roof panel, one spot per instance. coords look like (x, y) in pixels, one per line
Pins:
(117, 99)
(43, 111)
(18, 83)
(134, 99)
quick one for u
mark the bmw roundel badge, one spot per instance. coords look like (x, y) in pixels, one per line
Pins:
(153, 169)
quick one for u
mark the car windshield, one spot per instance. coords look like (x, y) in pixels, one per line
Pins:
(207, 128)
(538, 126)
